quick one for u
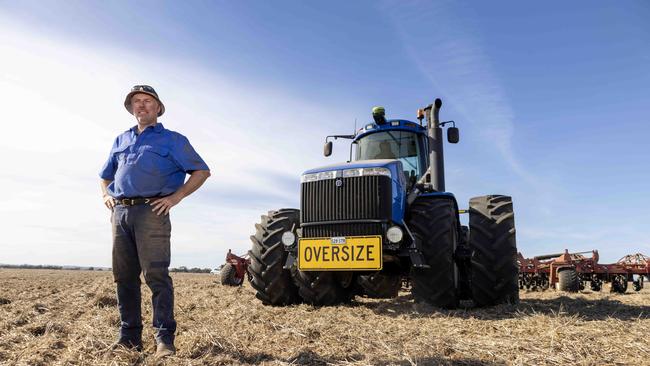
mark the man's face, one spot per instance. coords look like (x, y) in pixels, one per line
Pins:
(145, 108)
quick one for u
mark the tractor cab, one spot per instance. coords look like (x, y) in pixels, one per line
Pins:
(402, 140)
(396, 139)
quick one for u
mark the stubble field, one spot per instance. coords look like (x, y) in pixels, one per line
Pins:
(70, 318)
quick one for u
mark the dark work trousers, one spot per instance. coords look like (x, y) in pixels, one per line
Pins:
(141, 244)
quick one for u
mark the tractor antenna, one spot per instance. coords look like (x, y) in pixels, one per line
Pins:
(355, 126)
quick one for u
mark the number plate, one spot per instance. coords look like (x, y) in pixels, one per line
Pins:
(340, 253)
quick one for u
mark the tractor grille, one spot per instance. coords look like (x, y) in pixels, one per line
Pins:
(328, 231)
(357, 198)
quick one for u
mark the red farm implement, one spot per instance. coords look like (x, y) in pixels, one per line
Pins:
(570, 271)
(235, 269)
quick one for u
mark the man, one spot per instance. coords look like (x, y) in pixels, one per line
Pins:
(385, 151)
(143, 178)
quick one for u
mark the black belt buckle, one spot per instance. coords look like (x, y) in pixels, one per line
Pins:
(134, 201)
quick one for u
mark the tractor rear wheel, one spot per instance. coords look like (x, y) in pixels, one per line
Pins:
(268, 277)
(229, 276)
(324, 288)
(380, 285)
(433, 222)
(494, 250)
(568, 280)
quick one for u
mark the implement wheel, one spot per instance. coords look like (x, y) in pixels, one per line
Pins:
(568, 280)
(433, 222)
(619, 284)
(494, 250)
(229, 276)
(638, 284)
(596, 284)
(273, 283)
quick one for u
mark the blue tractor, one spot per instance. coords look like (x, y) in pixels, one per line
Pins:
(384, 218)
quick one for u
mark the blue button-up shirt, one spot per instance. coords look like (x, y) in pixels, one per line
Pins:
(152, 163)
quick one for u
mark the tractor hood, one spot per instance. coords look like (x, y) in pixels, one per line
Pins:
(398, 181)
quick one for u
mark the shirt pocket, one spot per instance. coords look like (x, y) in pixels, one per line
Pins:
(155, 160)
(120, 156)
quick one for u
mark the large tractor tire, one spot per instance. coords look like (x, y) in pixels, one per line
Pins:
(273, 283)
(568, 280)
(380, 285)
(229, 276)
(433, 222)
(494, 251)
(325, 288)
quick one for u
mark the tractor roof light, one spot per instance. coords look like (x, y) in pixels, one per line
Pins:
(379, 115)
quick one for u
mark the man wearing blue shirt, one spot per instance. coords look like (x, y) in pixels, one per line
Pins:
(143, 178)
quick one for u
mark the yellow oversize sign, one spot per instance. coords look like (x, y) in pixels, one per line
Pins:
(340, 253)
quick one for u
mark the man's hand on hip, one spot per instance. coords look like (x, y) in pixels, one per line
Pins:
(165, 204)
(109, 202)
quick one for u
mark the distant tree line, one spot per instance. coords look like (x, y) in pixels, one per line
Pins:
(183, 269)
(50, 266)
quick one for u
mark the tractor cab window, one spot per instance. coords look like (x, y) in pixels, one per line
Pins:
(401, 145)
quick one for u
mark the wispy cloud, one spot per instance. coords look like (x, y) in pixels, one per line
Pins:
(446, 47)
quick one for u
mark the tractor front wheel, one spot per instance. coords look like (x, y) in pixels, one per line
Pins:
(268, 277)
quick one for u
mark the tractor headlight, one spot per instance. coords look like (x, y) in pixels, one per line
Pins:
(395, 234)
(288, 238)
(347, 173)
(317, 176)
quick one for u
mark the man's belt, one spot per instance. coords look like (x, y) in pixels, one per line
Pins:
(136, 201)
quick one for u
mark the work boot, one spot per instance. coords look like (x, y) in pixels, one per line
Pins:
(165, 350)
(128, 344)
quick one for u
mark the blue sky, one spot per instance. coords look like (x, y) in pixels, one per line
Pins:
(551, 100)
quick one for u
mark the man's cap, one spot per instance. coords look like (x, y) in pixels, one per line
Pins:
(145, 89)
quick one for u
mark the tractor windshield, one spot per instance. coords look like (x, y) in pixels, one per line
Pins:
(401, 145)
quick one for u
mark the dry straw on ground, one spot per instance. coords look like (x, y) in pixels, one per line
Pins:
(70, 318)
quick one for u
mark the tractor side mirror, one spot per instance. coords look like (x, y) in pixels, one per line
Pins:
(453, 135)
(327, 149)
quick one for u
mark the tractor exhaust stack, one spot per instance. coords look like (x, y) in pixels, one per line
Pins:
(434, 177)
(436, 154)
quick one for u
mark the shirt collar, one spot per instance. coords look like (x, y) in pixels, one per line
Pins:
(158, 128)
